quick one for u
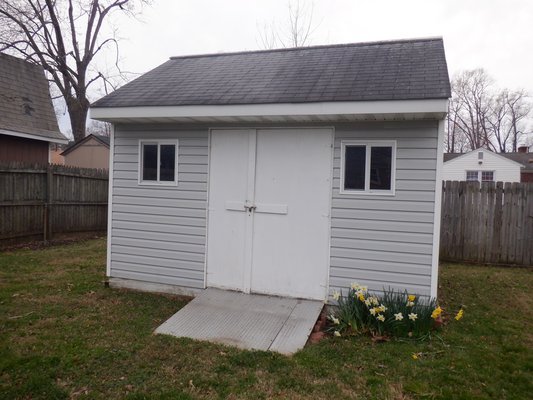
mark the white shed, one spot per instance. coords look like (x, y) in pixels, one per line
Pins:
(290, 172)
(480, 165)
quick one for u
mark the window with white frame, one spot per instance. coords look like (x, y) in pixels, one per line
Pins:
(487, 176)
(472, 176)
(158, 162)
(480, 176)
(368, 167)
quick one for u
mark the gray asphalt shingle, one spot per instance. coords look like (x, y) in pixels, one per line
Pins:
(25, 103)
(395, 70)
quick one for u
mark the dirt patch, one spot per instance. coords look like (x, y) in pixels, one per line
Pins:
(59, 239)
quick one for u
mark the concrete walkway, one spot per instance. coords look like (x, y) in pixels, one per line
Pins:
(247, 321)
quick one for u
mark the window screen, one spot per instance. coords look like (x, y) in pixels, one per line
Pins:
(167, 162)
(380, 168)
(149, 162)
(355, 167)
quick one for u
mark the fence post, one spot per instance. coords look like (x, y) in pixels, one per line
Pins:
(47, 228)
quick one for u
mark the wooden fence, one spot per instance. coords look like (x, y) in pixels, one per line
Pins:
(42, 200)
(487, 223)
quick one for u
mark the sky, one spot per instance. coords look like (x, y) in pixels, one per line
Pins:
(493, 34)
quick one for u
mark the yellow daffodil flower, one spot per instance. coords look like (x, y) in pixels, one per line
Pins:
(459, 314)
(381, 318)
(336, 333)
(436, 312)
(413, 316)
(411, 297)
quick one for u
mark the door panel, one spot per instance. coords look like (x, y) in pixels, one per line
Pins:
(228, 189)
(291, 220)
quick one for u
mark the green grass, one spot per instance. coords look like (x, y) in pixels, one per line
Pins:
(64, 335)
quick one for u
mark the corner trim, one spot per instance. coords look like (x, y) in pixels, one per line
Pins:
(110, 199)
(437, 211)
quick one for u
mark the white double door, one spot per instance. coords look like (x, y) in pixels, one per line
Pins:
(269, 206)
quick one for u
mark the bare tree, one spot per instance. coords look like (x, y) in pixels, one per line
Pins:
(470, 91)
(481, 115)
(98, 128)
(295, 33)
(65, 37)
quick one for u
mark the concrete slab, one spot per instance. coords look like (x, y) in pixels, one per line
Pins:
(247, 321)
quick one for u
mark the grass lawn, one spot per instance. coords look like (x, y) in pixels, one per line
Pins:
(64, 335)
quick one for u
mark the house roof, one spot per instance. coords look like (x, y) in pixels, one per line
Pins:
(26, 108)
(104, 140)
(395, 70)
(525, 159)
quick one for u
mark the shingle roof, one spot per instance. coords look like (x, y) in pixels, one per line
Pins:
(74, 145)
(526, 159)
(25, 103)
(395, 70)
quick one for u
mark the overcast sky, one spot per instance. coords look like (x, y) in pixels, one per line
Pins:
(494, 34)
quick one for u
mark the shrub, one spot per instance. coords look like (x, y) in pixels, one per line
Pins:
(393, 313)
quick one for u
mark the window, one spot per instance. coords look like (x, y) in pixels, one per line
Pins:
(480, 176)
(368, 167)
(472, 176)
(487, 176)
(158, 162)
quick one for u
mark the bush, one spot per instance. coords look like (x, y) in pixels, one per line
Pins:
(393, 313)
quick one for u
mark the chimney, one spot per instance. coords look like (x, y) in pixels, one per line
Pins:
(523, 149)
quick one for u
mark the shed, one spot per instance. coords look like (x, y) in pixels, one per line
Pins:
(289, 172)
(482, 165)
(90, 152)
(28, 123)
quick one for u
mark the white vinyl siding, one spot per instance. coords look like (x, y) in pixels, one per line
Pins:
(504, 170)
(383, 241)
(159, 231)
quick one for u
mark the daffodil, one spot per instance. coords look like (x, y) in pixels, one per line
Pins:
(398, 317)
(336, 321)
(336, 333)
(364, 288)
(411, 297)
(368, 302)
(336, 295)
(459, 314)
(361, 297)
(436, 312)
(375, 301)
(373, 311)
(380, 317)
(382, 308)
(413, 316)
(414, 356)
(410, 303)
(355, 286)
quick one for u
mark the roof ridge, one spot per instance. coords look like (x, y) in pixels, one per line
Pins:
(323, 46)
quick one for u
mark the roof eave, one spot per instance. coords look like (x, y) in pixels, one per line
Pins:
(280, 112)
(32, 136)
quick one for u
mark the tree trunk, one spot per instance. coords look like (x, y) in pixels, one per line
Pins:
(78, 111)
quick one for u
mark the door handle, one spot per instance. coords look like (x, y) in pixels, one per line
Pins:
(250, 208)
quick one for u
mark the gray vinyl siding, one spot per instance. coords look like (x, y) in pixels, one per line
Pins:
(158, 233)
(383, 241)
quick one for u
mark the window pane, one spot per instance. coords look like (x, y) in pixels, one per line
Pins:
(471, 176)
(354, 167)
(149, 162)
(380, 168)
(487, 176)
(168, 162)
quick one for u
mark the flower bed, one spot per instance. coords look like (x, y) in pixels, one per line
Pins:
(392, 314)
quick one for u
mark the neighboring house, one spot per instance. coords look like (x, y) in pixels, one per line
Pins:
(483, 165)
(90, 152)
(28, 122)
(524, 156)
(289, 172)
